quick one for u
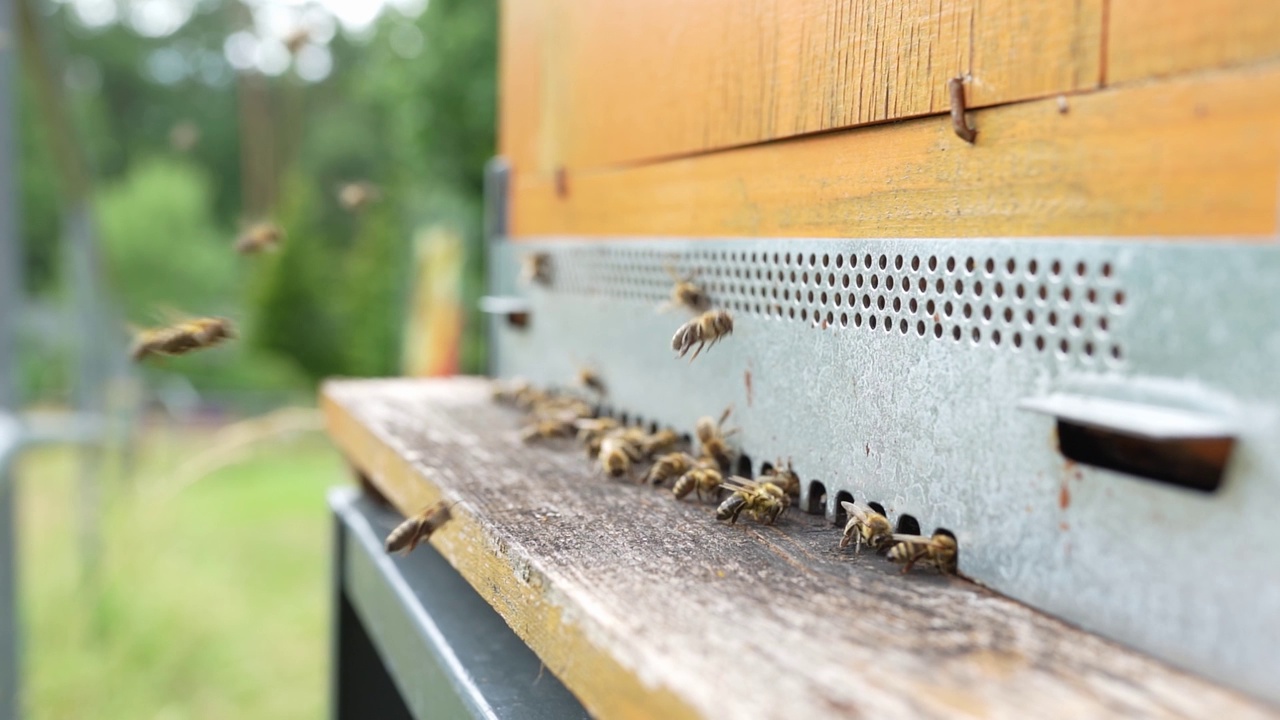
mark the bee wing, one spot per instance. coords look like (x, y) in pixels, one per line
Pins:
(910, 539)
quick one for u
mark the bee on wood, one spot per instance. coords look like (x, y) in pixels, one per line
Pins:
(356, 196)
(685, 293)
(509, 392)
(784, 477)
(704, 331)
(712, 438)
(939, 551)
(865, 526)
(181, 338)
(258, 238)
(547, 428)
(762, 501)
(670, 466)
(703, 479)
(536, 268)
(418, 529)
(618, 455)
(590, 380)
(654, 443)
(570, 408)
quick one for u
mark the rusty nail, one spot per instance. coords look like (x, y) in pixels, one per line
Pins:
(958, 122)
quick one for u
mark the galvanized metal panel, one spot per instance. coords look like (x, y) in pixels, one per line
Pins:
(893, 371)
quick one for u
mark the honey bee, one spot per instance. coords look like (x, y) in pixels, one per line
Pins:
(547, 428)
(705, 330)
(865, 526)
(939, 551)
(536, 268)
(182, 338)
(712, 437)
(703, 480)
(356, 196)
(671, 465)
(784, 477)
(659, 442)
(590, 380)
(509, 392)
(685, 293)
(762, 501)
(617, 455)
(258, 238)
(418, 529)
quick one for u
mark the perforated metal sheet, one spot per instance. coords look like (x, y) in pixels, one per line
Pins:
(892, 371)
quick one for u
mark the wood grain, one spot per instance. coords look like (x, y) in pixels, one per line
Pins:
(1193, 156)
(647, 607)
(595, 84)
(1153, 38)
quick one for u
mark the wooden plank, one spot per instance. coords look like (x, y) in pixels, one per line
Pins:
(1193, 156)
(647, 607)
(624, 81)
(1153, 38)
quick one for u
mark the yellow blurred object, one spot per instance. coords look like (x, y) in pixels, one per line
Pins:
(434, 335)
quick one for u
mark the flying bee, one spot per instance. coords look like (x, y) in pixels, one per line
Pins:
(418, 529)
(712, 437)
(356, 196)
(536, 268)
(181, 338)
(762, 501)
(703, 480)
(939, 551)
(865, 526)
(685, 293)
(704, 331)
(590, 380)
(669, 466)
(258, 238)
(617, 455)
(784, 477)
(547, 428)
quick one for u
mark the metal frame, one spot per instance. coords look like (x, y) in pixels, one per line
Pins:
(413, 639)
(916, 374)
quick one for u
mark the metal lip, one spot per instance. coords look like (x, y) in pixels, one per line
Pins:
(1137, 419)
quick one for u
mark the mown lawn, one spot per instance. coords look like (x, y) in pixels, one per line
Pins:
(208, 602)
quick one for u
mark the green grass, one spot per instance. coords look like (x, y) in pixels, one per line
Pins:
(211, 602)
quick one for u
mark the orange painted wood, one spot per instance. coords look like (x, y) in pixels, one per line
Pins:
(596, 84)
(1151, 38)
(1192, 156)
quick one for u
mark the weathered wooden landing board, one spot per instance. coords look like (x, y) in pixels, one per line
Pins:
(647, 607)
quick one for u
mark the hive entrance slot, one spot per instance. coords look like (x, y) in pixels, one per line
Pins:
(1193, 463)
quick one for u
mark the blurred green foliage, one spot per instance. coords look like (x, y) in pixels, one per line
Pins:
(332, 301)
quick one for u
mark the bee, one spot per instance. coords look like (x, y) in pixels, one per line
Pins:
(547, 428)
(548, 406)
(418, 529)
(536, 268)
(356, 196)
(659, 442)
(865, 526)
(712, 437)
(702, 479)
(592, 431)
(182, 338)
(258, 238)
(590, 380)
(297, 40)
(617, 455)
(762, 501)
(705, 330)
(685, 293)
(784, 477)
(509, 392)
(939, 551)
(671, 465)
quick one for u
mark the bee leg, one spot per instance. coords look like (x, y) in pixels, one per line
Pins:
(733, 519)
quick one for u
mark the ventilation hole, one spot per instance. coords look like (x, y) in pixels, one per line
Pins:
(1011, 266)
(788, 256)
(902, 326)
(1040, 343)
(955, 333)
(1020, 292)
(915, 262)
(839, 261)
(913, 305)
(844, 281)
(941, 286)
(1116, 353)
(871, 322)
(897, 262)
(1077, 321)
(977, 336)
(853, 300)
(930, 307)
(968, 311)
(791, 312)
(888, 324)
(1033, 267)
(857, 319)
(933, 263)
(767, 467)
(944, 531)
(884, 262)
(959, 288)
(1031, 316)
(813, 260)
(937, 330)
(1042, 292)
(969, 265)
(844, 319)
(1064, 347)
(842, 517)
(804, 277)
(907, 525)
(951, 264)
(625, 419)
(804, 313)
(1055, 269)
(1088, 348)
(897, 304)
(839, 300)
(986, 312)
(990, 266)
(1017, 340)
(920, 328)
(1081, 269)
(995, 338)
(878, 508)
(875, 282)
(1103, 323)
(923, 285)
(1053, 319)
(822, 297)
(1119, 298)
(1106, 269)
(653, 428)
(866, 260)
(831, 318)
(817, 500)
(744, 466)
(1008, 315)
(888, 282)
(1066, 295)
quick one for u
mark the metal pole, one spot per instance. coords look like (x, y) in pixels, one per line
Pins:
(10, 310)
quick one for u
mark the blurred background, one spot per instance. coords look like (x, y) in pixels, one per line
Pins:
(173, 537)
